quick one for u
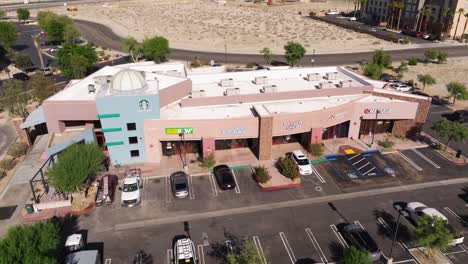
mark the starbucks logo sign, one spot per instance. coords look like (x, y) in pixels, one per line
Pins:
(144, 105)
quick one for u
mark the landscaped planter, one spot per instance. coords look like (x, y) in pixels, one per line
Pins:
(421, 257)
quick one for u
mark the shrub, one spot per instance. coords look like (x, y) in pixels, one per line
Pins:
(250, 65)
(316, 149)
(18, 149)
(261, 174)
(437, 147)
(287, 167)
(373, 71)
(7, 163)
(208, 162)
(441, 57)
(386, 143)
(413, 61)
(406, 41)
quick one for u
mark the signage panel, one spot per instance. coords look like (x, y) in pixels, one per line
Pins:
(178, 130)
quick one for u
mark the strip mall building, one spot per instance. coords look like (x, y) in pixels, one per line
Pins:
(142, 112)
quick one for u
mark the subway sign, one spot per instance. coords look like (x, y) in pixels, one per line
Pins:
(178, 130)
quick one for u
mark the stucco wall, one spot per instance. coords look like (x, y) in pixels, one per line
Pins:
(57, 111)
(174, 93)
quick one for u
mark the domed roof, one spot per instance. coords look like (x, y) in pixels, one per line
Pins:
(128, 81)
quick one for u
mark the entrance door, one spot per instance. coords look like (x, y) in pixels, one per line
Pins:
(376, 126)
(178, 147)
(340, 130)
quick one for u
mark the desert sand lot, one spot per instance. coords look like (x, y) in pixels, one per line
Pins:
(244, 28)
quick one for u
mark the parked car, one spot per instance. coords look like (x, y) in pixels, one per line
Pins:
(21, 76)
(106, 189)
(402, 87)
(460, 116)
(390, 79)
(352, 19)
(224, 177)
(179, 183)
(360, 238)
(416, 210)
(131, 186)
(333, 11)
(372, 29)
(302, 162)
(184, 251)
(46, 71)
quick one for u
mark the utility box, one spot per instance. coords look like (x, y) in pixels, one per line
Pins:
(332, 75)
(311, 77)
(261, 80)
(226, 82)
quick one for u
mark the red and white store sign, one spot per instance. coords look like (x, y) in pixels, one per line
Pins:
(374, 110)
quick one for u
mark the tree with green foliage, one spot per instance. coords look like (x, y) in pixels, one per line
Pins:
(76, 166)
(37, 243)
(373, 71)
(432, 233)
(131, 45)
(451, 130)
(55, 30)
(44, 17)
(75, 61)
(401, 69)
(7, 37)
(23, 14)
(294, 52)
(71, 33)
(42, 87)
(22, 61)
(352, 255)
(400, 6)
(266, 52)
(430, 55)
(14, 98)
(426, 79)
(460, 12)
(248, 254)
(156, 49)
(382, 59)
(2, 14)
(457, 91)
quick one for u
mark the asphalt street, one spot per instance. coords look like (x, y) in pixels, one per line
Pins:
(104, 36)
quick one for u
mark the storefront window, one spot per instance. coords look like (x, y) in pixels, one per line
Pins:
(232, 143)
(287, 139)
(340, 131)
(170, 148)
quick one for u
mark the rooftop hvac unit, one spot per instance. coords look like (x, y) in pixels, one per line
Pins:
(100, 80)
(226, 82)
(198, 94)
(332, 75)
(269, 89)
(232, 91)
(91, 88)
(261, 80)
(346, 83)
(314, 77)
(324, 85)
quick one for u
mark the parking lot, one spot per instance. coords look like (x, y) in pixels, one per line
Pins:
(303, 234)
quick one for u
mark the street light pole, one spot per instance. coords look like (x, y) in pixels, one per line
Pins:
(390, 258)
(375, 126)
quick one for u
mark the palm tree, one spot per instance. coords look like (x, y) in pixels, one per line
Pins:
(393, 5)
(443, 16)
(363, 6)
(460, 12)
(425, 14)
(400, 6)
(466, 23)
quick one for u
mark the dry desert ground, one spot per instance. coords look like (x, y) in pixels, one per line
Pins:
(244, 28)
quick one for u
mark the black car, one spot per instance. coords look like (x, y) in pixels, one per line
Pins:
(21, 76)
(460, 116)
(358, 237)
(224, 177)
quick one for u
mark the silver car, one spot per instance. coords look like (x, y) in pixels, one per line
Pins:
(179, 183)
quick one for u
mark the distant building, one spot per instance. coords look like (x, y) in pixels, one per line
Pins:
(378, 10)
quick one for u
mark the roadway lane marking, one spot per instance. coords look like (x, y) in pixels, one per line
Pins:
(425, 158)
(287, 247)
(190, 185)
(317, 174)
(339, 236)
(450, 211)
(201, 254)
(213, 185)
(391, 232)
(169, 256)
(316, 245)
(237, 184)
(168, 191)
(260, 252)
(409, 161)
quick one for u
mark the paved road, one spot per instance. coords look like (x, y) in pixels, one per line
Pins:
(46, 3)
(103, 36)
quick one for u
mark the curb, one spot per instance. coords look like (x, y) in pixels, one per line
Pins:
(81, 212)
(278, 187)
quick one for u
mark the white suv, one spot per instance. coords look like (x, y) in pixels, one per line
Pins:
(131, 195)
(302, 162)
(184, 252)
(401, 87)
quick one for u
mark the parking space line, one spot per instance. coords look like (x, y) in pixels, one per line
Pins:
(190, 185)
(316, 245)
(339, 236)
(201, 254)
(287, 247)
(392, 233)
(237, 189)
(425, 158)
(404, 261)
(213, 185)
(168, 191)
(363, 165)
(373, 168)
(260, 252)
(450, 211)
(317, 174)
(108, 261)
(354, 156)
(358, 161)
(169, 256)
(359, 224)
(409, 161)
(464, 247)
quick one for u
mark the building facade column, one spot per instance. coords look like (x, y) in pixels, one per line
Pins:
(265, 138)
(22, 134)
(316, 135)
(208, 145)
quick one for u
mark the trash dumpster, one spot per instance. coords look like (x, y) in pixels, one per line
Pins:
(29, 208)
(459, 152)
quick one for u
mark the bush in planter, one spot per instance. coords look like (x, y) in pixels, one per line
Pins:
(208, 162)
(7, 163)
(413, 61)
(316, 149)
(386, 143)
(437, 147)
(261, 174)
(18, 149)
(287, 167)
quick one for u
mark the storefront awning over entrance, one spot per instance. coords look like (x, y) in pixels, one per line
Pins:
(36, 117)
